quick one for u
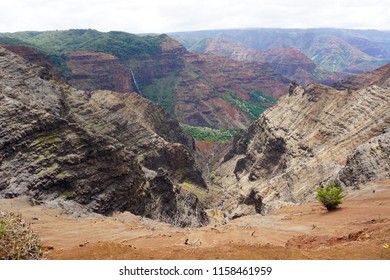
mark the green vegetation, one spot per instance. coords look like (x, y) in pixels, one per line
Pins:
(17, 240)
(59, 43)
(66, 194)
(121, 44)
(62, 175)
(199, 192)
(213, 175)
(46, 146)
(49, 170)
(258, 102)
(331, 196)
(46, 139)
(14, 42)
(194, 44)
(210, 134)
(162, 92)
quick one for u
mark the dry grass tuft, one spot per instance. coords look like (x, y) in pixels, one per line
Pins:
(17, 240)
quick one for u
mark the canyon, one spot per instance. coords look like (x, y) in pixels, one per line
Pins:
(199, 89)
(97, 149)
(312, 136)
(101, 139)
(335, 50)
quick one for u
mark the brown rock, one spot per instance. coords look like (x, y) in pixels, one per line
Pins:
(313, 136)
(93, 70)
(90, 151)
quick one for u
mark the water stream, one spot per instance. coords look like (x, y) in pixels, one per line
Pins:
(135, 83)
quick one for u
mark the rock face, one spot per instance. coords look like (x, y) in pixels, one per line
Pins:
(314, 135)
(291, 63)
(48, 70)
(336, 50)
(193, 85)
(379, 77)
(94, 70)
(288, 62)
(96, 149)
(207, 81)
(369, 162)
(200, 89)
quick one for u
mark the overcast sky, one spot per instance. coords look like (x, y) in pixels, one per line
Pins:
(153, 16)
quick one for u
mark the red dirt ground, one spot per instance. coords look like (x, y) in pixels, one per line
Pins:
(358, 230)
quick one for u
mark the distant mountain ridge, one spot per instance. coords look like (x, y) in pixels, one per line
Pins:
(201, 90)
(379, 77)
(337, 50)
(106, 151)
(206, 89)
(288, 62)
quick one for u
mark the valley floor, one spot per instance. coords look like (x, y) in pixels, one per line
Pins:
(358, 230)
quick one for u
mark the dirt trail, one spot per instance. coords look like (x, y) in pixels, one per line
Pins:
(358, 230)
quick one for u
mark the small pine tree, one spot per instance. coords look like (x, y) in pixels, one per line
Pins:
(331, 196)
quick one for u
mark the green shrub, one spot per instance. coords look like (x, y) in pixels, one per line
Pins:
(17, 240)
(331, 196)
(209, 134)
(258, 102)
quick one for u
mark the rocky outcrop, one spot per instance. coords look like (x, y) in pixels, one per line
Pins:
(379, 77)
(231, 74)
(310, 137)
(95, 149)
(369, 162)
(95, 70)
(151, 69)
(48, 70)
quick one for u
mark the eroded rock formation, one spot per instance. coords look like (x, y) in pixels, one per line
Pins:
(315, 135)
(379, 77)
(95, 70)
(96, 149)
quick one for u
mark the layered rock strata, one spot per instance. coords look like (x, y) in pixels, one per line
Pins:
(314, 135)
(100, 150)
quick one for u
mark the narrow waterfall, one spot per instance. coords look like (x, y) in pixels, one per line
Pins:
(135, 82)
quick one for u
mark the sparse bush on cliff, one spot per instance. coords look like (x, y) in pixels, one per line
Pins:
(17, 240)
(331, 196)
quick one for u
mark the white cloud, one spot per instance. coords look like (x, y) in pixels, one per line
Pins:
(158, 16)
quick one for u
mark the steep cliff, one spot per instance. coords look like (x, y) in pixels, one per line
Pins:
(313, 135)
(369, 162)
(94, 70)
(201, 90)
(379, 77)
(98, 150)
(336, 50)
(48, 71)
(289, 62)
(194, 86)
(216, 91)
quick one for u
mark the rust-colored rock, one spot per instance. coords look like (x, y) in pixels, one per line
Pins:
(48, 71)
(95, 70)
(379, 77)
